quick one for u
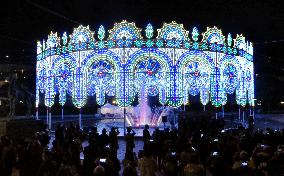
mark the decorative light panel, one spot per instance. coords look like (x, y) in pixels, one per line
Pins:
(130, 62)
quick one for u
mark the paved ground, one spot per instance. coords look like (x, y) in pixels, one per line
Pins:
(274, 121)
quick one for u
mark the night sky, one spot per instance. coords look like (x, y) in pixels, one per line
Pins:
(23, 22)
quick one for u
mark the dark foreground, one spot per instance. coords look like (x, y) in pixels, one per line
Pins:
(199, 147)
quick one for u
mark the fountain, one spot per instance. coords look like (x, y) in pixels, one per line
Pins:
(143, 110)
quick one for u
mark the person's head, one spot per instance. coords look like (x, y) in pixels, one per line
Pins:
(94, 129)
(36, 135)
(129, 129)
(104, 131)
(141, 154)
(112, 129)
(46, 155)
(58, 126)
(5, 140)
(99, 171)
(147, 126)
(157, 129)
(129, 171)
(193, 159)
(147, 153)
(243, 156)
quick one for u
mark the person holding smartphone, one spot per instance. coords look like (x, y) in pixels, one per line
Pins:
(129, 139)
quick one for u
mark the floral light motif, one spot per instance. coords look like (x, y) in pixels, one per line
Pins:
(213, 35)
(240, 42)
(125, 30)
(172, 31)
(82, 34)
(53, 40)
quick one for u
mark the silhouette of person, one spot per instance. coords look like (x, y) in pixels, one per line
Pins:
(146, 134)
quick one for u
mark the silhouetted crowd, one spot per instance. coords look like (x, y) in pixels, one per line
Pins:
(199, 147)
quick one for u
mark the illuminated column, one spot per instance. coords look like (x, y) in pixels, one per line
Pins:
(49, 120)
(79, 92)
(62, 114)
(39, 57)
(162, 96)
(241, 91)
(215, 88)
(47, 116)
(175, 94)
(124, 88)
(100, 94)
(62, 100)
(36, 113)
(163, 90)
(239, 114)
(204, 95)
(50, 93)
(80, 119)
(37, 102)
(243, 117)
(185, 93)
(222, 111)
(253, 114)
(37, 93)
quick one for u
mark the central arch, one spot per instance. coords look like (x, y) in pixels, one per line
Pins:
(154, 56)
(101, 68)
(195, 68)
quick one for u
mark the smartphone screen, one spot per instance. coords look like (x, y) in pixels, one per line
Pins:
(102, 160)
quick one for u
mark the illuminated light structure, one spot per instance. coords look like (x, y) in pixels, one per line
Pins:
(123, 64)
